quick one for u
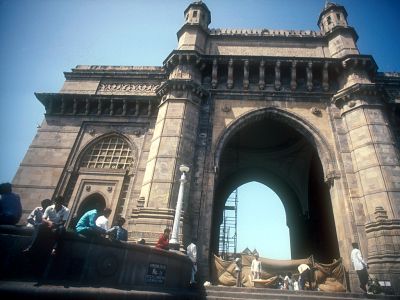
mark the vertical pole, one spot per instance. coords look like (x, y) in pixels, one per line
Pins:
(174, 242)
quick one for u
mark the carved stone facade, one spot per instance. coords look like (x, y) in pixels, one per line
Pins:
(300, 111)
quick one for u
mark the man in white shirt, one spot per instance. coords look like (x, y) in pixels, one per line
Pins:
(191, 251)
(305, 276)
(256, 267)
(36, 216)
(102, 221)
(360, 266)
(52, 226)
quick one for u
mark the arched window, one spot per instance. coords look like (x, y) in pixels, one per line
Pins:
(108, 153)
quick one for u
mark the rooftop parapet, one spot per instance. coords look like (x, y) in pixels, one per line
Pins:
(265, 32)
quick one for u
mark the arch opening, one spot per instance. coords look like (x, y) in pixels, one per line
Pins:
(273, 152)
(258, 210)
(92, 201)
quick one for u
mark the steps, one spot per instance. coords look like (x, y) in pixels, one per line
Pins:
(225, 293)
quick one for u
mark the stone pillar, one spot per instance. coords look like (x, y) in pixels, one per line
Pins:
(325, 77)
(261, 82)
(229, 84)
(374, 180)
(214, 79)
(173, 144)
(246, 74)
(293, 80)
(309, 77)
(278, 75)
(383, 239)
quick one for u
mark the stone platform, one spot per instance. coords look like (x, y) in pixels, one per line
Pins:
(87, 262)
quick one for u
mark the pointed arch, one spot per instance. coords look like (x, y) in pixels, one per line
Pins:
(305, 128)
(109, 151)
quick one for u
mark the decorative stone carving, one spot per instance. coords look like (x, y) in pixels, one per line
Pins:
(316, 111)
(226, 108)
(136, 88)
(88, 188)
(137, 132)
(352, 103)
(109, 189)
(380, 213)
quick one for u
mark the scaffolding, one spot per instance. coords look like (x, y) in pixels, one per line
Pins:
(228, 228)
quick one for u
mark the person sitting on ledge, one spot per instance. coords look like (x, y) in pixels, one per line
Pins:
(50, 231)
(10, 205)
(35, 218)
(87, 223)
(163, 241)
(118, 232)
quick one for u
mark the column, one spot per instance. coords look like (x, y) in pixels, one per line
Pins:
(246, 74)
(261, 82)
(230, 74)
(278, 75)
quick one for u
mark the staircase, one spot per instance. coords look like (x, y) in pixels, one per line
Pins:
(225, 293)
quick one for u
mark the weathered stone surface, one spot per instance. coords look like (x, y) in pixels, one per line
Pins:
(300, 111)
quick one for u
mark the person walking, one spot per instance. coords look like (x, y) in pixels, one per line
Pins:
(191, 251)
(360, 266)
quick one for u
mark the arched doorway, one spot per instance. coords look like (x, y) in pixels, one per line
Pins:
(92, 201)
(276, 151)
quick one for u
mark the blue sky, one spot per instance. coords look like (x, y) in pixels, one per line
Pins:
(43, 38)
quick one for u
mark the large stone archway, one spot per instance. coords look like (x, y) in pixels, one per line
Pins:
(282, 151)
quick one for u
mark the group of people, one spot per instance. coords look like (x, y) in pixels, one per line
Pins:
(305, 273)
(49, 220)
(289, 283)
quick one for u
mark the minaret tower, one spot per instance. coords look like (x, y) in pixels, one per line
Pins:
(193, 34)
(333, 24)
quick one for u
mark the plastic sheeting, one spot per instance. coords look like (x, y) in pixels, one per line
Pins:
(331, 275)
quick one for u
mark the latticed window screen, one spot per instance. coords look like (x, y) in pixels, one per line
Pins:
(109, 153)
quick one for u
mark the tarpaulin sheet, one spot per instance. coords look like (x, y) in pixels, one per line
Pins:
(224, 272)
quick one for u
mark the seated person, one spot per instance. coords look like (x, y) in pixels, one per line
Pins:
(52, 225)
(87, 224)
(118, 232)
(35, 218)
(102, 221)
(163, 241)
(10, 205)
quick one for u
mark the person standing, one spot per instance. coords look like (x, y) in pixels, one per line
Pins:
(360, 266)
(305, 276)
(256, 267)
(288, 282)
(163, 241)
(191, 251)
(10, 205)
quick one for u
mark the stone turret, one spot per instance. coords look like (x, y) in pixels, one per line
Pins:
(193, 34)
(333, 24)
